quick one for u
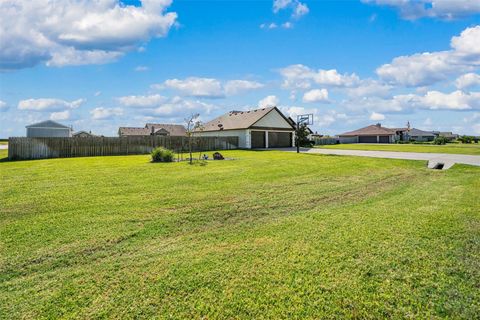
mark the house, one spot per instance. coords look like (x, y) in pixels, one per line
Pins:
(260, 128)
(83, 134)
(449, 135)
(371, 134)
(154, 129)
(48, 128)
(420, 135)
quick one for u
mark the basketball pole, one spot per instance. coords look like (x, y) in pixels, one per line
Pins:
(296, 137)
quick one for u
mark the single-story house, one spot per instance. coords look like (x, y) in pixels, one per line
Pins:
(449, 135)
(260, 128)
(47, 129)
(154, 129)
(371, 134)
(83, 134)
(420, 135)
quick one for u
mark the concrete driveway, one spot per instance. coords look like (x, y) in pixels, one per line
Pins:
(434, 159)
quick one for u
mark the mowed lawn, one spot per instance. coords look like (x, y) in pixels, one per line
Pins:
(473, 149)
(269, 235)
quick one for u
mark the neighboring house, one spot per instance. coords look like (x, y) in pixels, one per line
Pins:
(48, 128)
(449, 135)
(154, 129)
(420, 135)
(371, 134)
(83, 134)
(261, 128)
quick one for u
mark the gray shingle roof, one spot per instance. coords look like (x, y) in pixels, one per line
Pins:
(235, 120)
(417, 132)
(132, 131)
(47, 124)
(172, 129)
(369, 131)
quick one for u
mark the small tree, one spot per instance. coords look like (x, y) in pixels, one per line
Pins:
(440, 140)
(192, 125)
(301, 135)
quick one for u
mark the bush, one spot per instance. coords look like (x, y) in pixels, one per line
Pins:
(440, 140)
(466, 139)
(162, 155)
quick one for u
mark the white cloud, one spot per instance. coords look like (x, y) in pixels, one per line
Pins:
(369, 87)
(268, 101)
(3, 106)
(273, 25)
(233, 87)
(476, 128)
(320, 119)
(73, 32)
(377, 116)
(102, 113)
(141, 69)
(150, 101)
(443, 9)
(61, 115)
(432, 100)
(457, 100)
(316, 95)
(300, 76)
(48, 104)
(298, 8)
(196, 87)
(179, 108)
(467, 80)
(97, 94)
(208, 87)
(281, 4)
(427, 68)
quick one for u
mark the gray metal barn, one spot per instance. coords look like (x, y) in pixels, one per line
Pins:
(48, 128)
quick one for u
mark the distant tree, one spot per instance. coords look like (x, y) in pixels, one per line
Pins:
(466, 139)
(192, 125)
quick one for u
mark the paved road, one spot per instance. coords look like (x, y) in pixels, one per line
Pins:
(448, 160)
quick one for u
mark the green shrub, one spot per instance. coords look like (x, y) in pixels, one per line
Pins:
(162, 155)
(440, 140)
(466, 139)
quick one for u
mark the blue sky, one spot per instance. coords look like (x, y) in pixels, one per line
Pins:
(98, 65)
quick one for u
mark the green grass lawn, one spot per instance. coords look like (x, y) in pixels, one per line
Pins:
(473, 149)
(268, 235)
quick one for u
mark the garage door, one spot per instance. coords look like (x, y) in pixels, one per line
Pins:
(258, 139)
(279, 139)
(367, 139)
(384, 139)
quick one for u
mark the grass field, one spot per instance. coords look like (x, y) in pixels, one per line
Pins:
(268, 235)
(473, 149)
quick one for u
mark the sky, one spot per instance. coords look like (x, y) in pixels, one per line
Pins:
(100, 64)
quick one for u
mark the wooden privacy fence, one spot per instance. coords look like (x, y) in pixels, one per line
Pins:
(43, 148)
